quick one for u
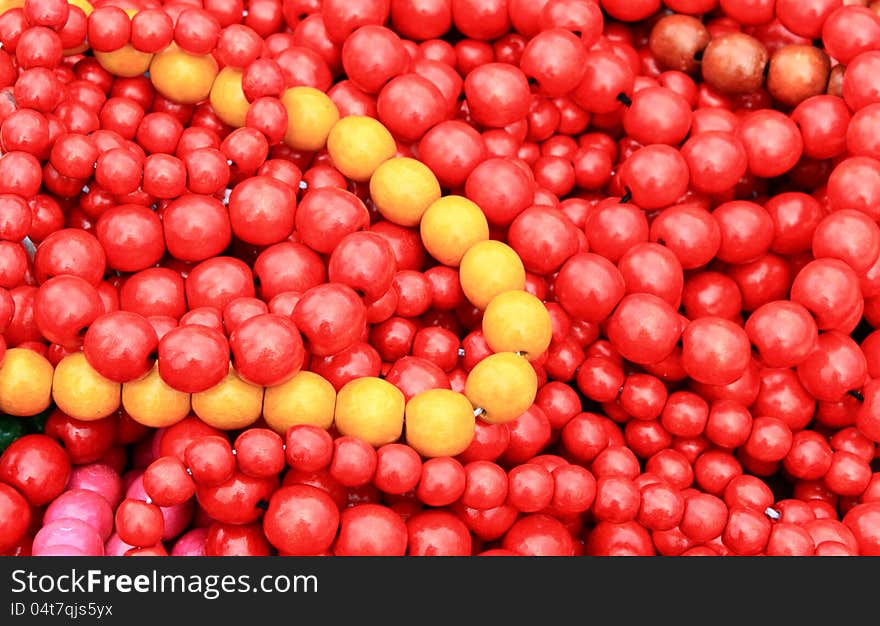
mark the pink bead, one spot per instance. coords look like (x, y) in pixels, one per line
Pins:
(63, 551)
(116, 546)
(97, 477)
(129, 477)
(84, 505)
(69, 532)
(191, 543)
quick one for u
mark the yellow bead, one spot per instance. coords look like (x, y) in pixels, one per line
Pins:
(151, 402)
(6, 5)
(126, 62)
(490, 268)
(82, 392)
(230, 404)
(451, 226)
(370, 409)
(402, 190)
(85, 5)
(517, 321)
(25, 382)
(307, 398)
(439, 422)
(227, 97)
(310, 116)
(504, 385)
(358, 145)
(183, 77)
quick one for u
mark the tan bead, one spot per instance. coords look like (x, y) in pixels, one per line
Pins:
(835, 81)
(734, 63)
(797, 72)
(676, 42)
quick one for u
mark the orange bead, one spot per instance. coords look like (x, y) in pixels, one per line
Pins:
(25, 382)
(183, 77)
(371, 409)
(358, 145)
(439, 422)
(231, 404)
(151, 402)
(450, 227)
(227, 97)
(503, 385)
(82, 392)
(310, 116)
(488, 269)
(517, 321)
(126, 62)
(307, 398)
(402, 190)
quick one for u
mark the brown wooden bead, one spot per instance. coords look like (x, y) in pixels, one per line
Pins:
(734, 63)
(796, 73)
(677, 42)
(835, 81)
